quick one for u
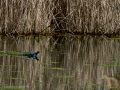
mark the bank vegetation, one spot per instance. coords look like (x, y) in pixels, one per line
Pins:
(61, 16)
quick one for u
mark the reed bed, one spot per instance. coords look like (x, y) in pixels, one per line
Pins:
(47, 16)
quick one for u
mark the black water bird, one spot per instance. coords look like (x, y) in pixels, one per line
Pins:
(33, 55)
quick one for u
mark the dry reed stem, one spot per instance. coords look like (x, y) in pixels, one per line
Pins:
(108, 82)
(115, 82)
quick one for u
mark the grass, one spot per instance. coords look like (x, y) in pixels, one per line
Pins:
(12, 78)
(108, 65)
(58, 68)
(11, 88)
(62, 84)
(64, 76)
(69, 16)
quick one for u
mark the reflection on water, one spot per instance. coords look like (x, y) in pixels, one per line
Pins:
(66, 63)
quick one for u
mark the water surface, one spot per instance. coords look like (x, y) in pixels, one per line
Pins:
(66, 62)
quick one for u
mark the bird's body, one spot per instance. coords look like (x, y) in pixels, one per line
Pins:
(31, 55)
(34, 55)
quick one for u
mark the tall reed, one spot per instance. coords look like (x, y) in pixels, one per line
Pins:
(41, 16)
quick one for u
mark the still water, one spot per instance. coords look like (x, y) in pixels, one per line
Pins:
(66, 63)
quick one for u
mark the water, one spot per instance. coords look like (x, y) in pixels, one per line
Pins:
(66, 63)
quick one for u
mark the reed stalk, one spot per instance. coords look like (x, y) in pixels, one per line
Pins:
(74, 16)
(109, 80)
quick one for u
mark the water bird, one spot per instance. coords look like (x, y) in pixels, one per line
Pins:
(34, 55)
(31, 55)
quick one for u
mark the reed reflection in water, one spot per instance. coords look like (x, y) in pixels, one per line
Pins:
(66, 63)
